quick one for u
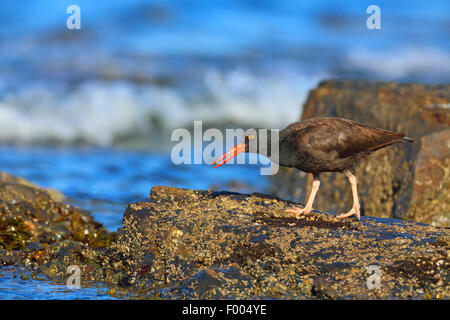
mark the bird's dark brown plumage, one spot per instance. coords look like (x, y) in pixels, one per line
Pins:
(331, 144)
(323, 145)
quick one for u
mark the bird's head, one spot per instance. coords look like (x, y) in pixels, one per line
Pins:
(263, 141)
(248, 144)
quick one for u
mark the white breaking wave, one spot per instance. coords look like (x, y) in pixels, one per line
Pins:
(272, 101)
(99, 112)
(401, 62)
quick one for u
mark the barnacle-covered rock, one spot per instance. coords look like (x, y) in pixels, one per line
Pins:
(29, 213)
(195, 244)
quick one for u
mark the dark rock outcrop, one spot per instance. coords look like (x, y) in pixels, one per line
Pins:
(405, 181)
(201, 244)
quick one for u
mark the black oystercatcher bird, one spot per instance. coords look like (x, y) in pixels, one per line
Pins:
(323, 145)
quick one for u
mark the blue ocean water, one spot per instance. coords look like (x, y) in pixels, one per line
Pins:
(90, 112)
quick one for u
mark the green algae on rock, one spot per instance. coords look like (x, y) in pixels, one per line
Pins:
(14, 234)
(408, 181)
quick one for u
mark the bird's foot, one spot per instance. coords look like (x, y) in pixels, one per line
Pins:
(354, 211)
(298, 211)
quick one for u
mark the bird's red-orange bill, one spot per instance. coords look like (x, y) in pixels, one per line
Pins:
(229, 155)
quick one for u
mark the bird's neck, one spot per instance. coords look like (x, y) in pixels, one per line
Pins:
(283, 154)
(273, 147)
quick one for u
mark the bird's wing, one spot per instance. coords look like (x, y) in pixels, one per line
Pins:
(346, 138)
(355, 138)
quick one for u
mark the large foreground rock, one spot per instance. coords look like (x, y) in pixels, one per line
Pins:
(404, 181)
(199, 244)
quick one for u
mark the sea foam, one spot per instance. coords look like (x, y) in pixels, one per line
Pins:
(101, 112)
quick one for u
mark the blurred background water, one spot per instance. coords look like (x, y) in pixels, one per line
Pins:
(89, 112)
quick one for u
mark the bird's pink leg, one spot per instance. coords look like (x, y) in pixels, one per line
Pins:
(356, 207)
(307, 209)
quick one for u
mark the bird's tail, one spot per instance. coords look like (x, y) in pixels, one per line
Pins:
(387, 138)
